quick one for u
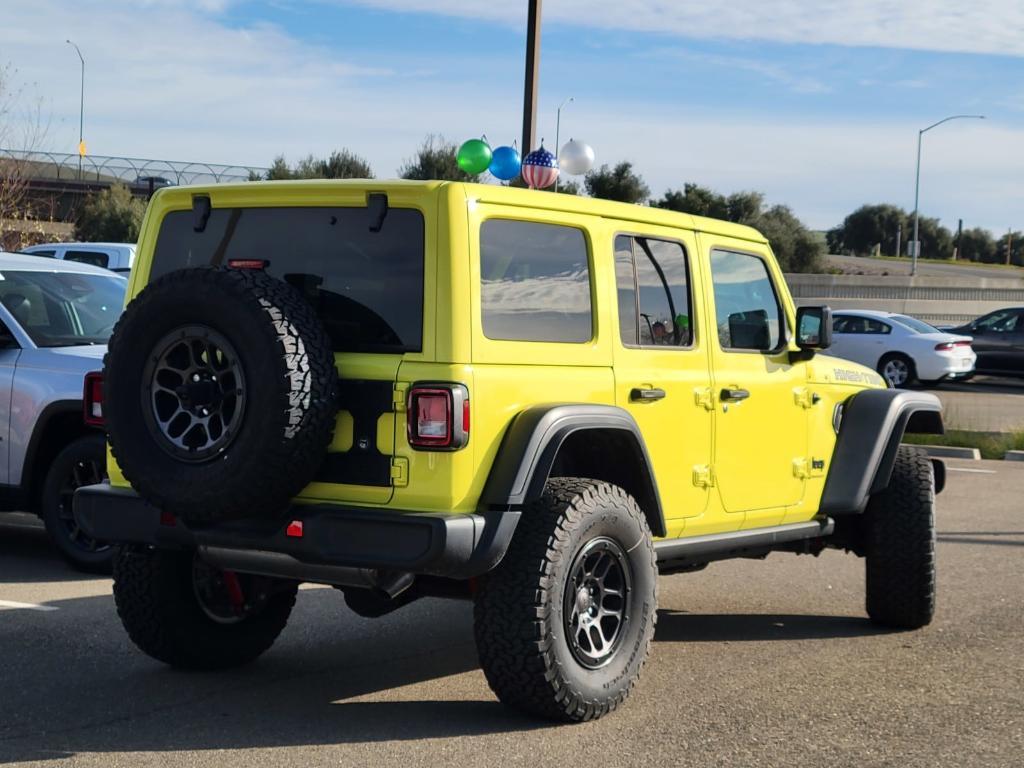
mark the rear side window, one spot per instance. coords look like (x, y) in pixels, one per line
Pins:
(857, 324)
(654, 292)
(535, 282)
(96, 258)
(367, 287)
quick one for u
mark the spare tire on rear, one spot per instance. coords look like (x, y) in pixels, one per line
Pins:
(220, 393)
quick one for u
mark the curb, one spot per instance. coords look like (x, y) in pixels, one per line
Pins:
(955, 452)
(1014, 456)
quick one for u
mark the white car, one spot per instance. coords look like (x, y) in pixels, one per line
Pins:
(902, 349)
(117, 257)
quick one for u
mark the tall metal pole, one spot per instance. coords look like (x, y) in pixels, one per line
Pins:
(532, 65)
(81, 110)
(558, 131)
(917, 180)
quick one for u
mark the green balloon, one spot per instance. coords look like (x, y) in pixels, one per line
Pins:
(474, 156)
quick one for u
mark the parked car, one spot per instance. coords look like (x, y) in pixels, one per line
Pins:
(533, 401)
(902, 349)
(998, 341)
(55, 319)
(117, 257)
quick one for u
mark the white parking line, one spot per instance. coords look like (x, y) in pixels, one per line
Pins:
(10, 605)
(976, 471)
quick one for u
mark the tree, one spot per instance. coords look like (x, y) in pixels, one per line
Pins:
(112, 215)
(1017, 248)
(618, 183)
(21, 128)
(978, 245)
(435, 159)
(868, 227)
(796, 248)
(342, 164)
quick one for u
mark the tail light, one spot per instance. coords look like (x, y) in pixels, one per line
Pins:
(248, 263)
(437, 416)
(948, 346)
(92, 399)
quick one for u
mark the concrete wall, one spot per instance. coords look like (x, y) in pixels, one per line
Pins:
(945, 300)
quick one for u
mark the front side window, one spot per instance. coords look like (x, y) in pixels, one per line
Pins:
(366, 286)
(63, 309)
(534, 282)
(747, 311)
(1003, 321)
(653, 290)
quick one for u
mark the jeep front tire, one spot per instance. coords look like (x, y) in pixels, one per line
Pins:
(564, 624)
(900, 545)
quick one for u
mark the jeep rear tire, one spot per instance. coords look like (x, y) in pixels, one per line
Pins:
(220, 394)
(900, 545)
(564, 623)
(188, 614)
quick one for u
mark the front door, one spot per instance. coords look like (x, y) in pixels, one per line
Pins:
(999, 341)
(661, 365)
(760, 421)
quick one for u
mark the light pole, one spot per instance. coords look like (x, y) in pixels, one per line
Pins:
(558, 130)
(81, 110)
(917, 181)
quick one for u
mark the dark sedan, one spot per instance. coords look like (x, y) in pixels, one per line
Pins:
(998, 341)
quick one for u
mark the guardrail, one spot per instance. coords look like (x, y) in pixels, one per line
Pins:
(106, 169)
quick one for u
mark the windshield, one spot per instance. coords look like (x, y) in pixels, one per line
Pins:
(63, 309)
(918, 326)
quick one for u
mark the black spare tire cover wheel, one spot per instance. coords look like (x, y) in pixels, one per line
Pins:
(220, 394)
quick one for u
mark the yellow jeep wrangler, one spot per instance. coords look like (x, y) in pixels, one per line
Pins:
(534, 401)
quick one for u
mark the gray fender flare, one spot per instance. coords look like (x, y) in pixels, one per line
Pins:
(533, 439)
(873, 424)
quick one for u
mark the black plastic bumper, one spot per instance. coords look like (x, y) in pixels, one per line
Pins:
(452, 545)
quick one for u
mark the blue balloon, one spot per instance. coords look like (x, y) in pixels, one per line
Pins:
(505, 163)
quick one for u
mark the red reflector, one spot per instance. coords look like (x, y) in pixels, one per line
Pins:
(248, 263)
(430, 417)
(294, 529)
(92, 399)
(168, 520)
(465, 415)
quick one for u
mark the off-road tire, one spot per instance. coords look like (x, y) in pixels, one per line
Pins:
(290, 388)
(518, 607)
(80, 462)
(900, 544)
(157, 603)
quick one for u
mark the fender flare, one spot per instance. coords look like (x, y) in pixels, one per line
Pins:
(873, 424)
(531, 443)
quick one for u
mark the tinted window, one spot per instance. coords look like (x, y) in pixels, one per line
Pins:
(60, 309)
(1003, 321)
(367, 287)
(653, 290)
(858, 324)
(96, 258)
(535, 282)
(915, 325)
(48, 254)
(747, 310)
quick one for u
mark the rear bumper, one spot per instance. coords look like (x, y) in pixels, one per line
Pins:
(334, 539)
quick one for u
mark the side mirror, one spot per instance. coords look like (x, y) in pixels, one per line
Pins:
(813, 329)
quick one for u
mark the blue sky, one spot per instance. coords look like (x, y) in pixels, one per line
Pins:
(817, 104)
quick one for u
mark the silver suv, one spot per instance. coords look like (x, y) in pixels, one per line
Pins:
(55, 319)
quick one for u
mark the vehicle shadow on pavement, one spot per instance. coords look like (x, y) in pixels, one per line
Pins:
(28, 555)
(73, 683)
(680, 626)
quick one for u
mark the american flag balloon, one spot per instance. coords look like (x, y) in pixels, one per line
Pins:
(540, 169)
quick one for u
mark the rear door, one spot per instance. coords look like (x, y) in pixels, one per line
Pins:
(662, 372)
(367, 286)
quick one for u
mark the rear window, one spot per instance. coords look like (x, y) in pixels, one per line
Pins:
(535, 282)
(367, 287)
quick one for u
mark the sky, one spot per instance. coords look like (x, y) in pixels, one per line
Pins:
(817, 103)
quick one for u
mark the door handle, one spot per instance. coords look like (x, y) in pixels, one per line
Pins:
(639, 395)
(728, 395)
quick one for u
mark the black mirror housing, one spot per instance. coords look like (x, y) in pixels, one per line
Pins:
(813, 328)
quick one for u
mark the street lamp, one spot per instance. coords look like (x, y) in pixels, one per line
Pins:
(558, 130)
(81, 111)
(917, 181)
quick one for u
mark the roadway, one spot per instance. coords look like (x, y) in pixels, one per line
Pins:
(755, 664)
(868, 266)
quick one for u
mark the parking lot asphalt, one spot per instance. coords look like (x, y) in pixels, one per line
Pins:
(754, 664)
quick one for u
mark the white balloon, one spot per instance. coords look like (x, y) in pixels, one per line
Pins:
(576, 157)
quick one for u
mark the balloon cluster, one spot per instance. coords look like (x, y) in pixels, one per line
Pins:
(539, 168)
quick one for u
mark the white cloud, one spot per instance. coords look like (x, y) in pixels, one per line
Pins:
(980, 26)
